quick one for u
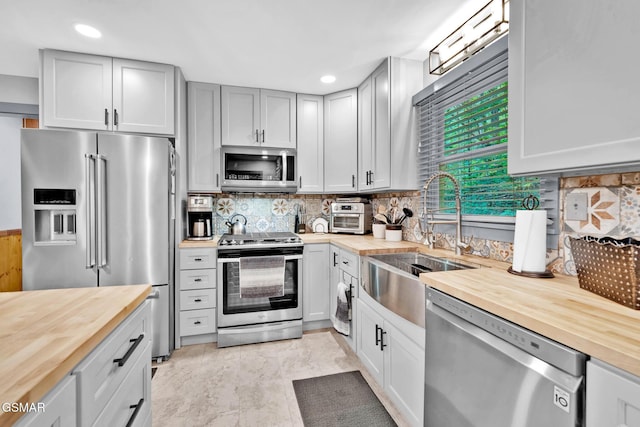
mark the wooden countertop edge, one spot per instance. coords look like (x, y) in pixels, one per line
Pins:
(61, 370)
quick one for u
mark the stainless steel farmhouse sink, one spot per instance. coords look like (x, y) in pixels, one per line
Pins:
(392, 280)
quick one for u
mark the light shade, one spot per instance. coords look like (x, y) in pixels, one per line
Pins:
(328, 79)
(482, 28)
(88, 31)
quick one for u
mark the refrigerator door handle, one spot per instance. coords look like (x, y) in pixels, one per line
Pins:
(101, 206)
(89, 165)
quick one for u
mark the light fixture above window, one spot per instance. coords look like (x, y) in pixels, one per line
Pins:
(88, 31)
(485, 26)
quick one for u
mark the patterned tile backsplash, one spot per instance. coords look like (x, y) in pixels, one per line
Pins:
(613, 210)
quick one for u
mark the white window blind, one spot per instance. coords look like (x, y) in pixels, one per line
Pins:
(463, 122)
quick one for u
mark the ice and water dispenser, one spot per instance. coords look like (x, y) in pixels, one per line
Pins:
(55, 215)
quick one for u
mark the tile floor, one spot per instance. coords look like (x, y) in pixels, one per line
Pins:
(250, 385)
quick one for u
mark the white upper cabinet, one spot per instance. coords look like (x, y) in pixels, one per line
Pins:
(387, 144)
(203, 145)
(573, 85)
(100, 93)
(310, 143)
(341, 141)
(258, 117)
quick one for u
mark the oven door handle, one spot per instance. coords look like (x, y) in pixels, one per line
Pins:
(286, 258)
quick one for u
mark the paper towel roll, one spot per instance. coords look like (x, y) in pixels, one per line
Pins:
(530, 242)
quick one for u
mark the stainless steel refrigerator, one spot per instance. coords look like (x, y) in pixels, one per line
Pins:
(98, 210)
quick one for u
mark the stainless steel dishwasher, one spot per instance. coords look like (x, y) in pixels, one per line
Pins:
(483, 371)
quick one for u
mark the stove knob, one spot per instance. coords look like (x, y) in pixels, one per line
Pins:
(224, 242)
(241, 242)
(233, 242)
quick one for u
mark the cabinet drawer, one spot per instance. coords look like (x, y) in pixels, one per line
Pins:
(198, 279)
(131, 403)
(349, 263)
(197, 258)
(196, 322)
(197, 299)
(100, 374)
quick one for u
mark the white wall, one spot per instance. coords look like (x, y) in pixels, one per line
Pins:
(18, 90)
(10, 212)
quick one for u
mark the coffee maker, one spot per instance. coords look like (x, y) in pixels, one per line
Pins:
(199, 217)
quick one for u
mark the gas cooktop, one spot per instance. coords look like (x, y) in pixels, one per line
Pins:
(260, 239)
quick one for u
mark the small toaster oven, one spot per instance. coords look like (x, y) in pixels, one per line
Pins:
(351, 217)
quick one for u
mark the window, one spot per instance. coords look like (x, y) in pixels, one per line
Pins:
(463, 121)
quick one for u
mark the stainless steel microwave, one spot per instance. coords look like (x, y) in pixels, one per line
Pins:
(258, 169)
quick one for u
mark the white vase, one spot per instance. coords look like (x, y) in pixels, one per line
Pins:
(378, 230)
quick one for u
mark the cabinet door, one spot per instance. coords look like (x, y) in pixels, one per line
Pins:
(370, 326)
(404, 373)
(365, 134)
(341, 141)
(203, 145)
(240, 116)
(56, 409)
(277, 119)
(310, 143)
(315, 283)
(381, 170)
(76, 90)
(572, 88)
(613, 396)
(143, 97)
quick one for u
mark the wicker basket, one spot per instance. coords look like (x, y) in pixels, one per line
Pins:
(609, 267)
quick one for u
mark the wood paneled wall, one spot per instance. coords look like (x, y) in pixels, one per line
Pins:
(10, 260)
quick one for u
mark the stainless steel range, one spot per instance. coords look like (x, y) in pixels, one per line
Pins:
(259, 293)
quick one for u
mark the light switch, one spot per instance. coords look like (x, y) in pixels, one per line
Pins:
(575, 207)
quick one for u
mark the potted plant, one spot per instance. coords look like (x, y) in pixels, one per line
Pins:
(392, 223)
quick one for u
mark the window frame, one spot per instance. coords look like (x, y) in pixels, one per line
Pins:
(498, 228)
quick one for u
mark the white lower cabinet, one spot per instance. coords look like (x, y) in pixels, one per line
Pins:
(315, 283)
(613, 396)
(58, 407)
(392, 350)
(197, 297)
(109, 387)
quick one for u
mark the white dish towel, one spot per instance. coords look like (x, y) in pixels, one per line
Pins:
(343, 310)
(261, 277)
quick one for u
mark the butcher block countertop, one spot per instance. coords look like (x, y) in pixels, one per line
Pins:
(556, 308)
(45, 334)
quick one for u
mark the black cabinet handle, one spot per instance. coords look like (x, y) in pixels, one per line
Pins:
(335, 261)
(353, 181)
(106, 117)
(197, 322)
(129, 352)
(197, 300)
(382, 334)
(197, 259)
(135, 413)
(115, 117)
(262, 135)
(257, 140)
(197, 279)
(378, 329)
(217, 180)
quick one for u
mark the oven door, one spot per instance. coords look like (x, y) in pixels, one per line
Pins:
(347, 223)
(234, 310)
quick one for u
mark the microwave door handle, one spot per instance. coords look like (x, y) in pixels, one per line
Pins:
(89, 174)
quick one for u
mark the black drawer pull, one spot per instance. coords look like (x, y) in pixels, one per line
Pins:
(135, 413)
(129, 352)
(382, 334)
(197, 280)
(197, 300)
(197, 322)
(197, 259)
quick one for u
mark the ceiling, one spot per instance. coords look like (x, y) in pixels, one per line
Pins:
(274, 44)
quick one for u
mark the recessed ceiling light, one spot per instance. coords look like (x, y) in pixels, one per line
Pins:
(328, 79)
(89, 31)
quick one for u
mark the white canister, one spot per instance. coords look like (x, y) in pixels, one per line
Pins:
(378, 230)
(393, 232)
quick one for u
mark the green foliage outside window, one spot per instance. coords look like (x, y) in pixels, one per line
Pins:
(475, 152)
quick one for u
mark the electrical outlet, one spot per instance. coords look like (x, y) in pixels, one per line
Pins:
(575, 207)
